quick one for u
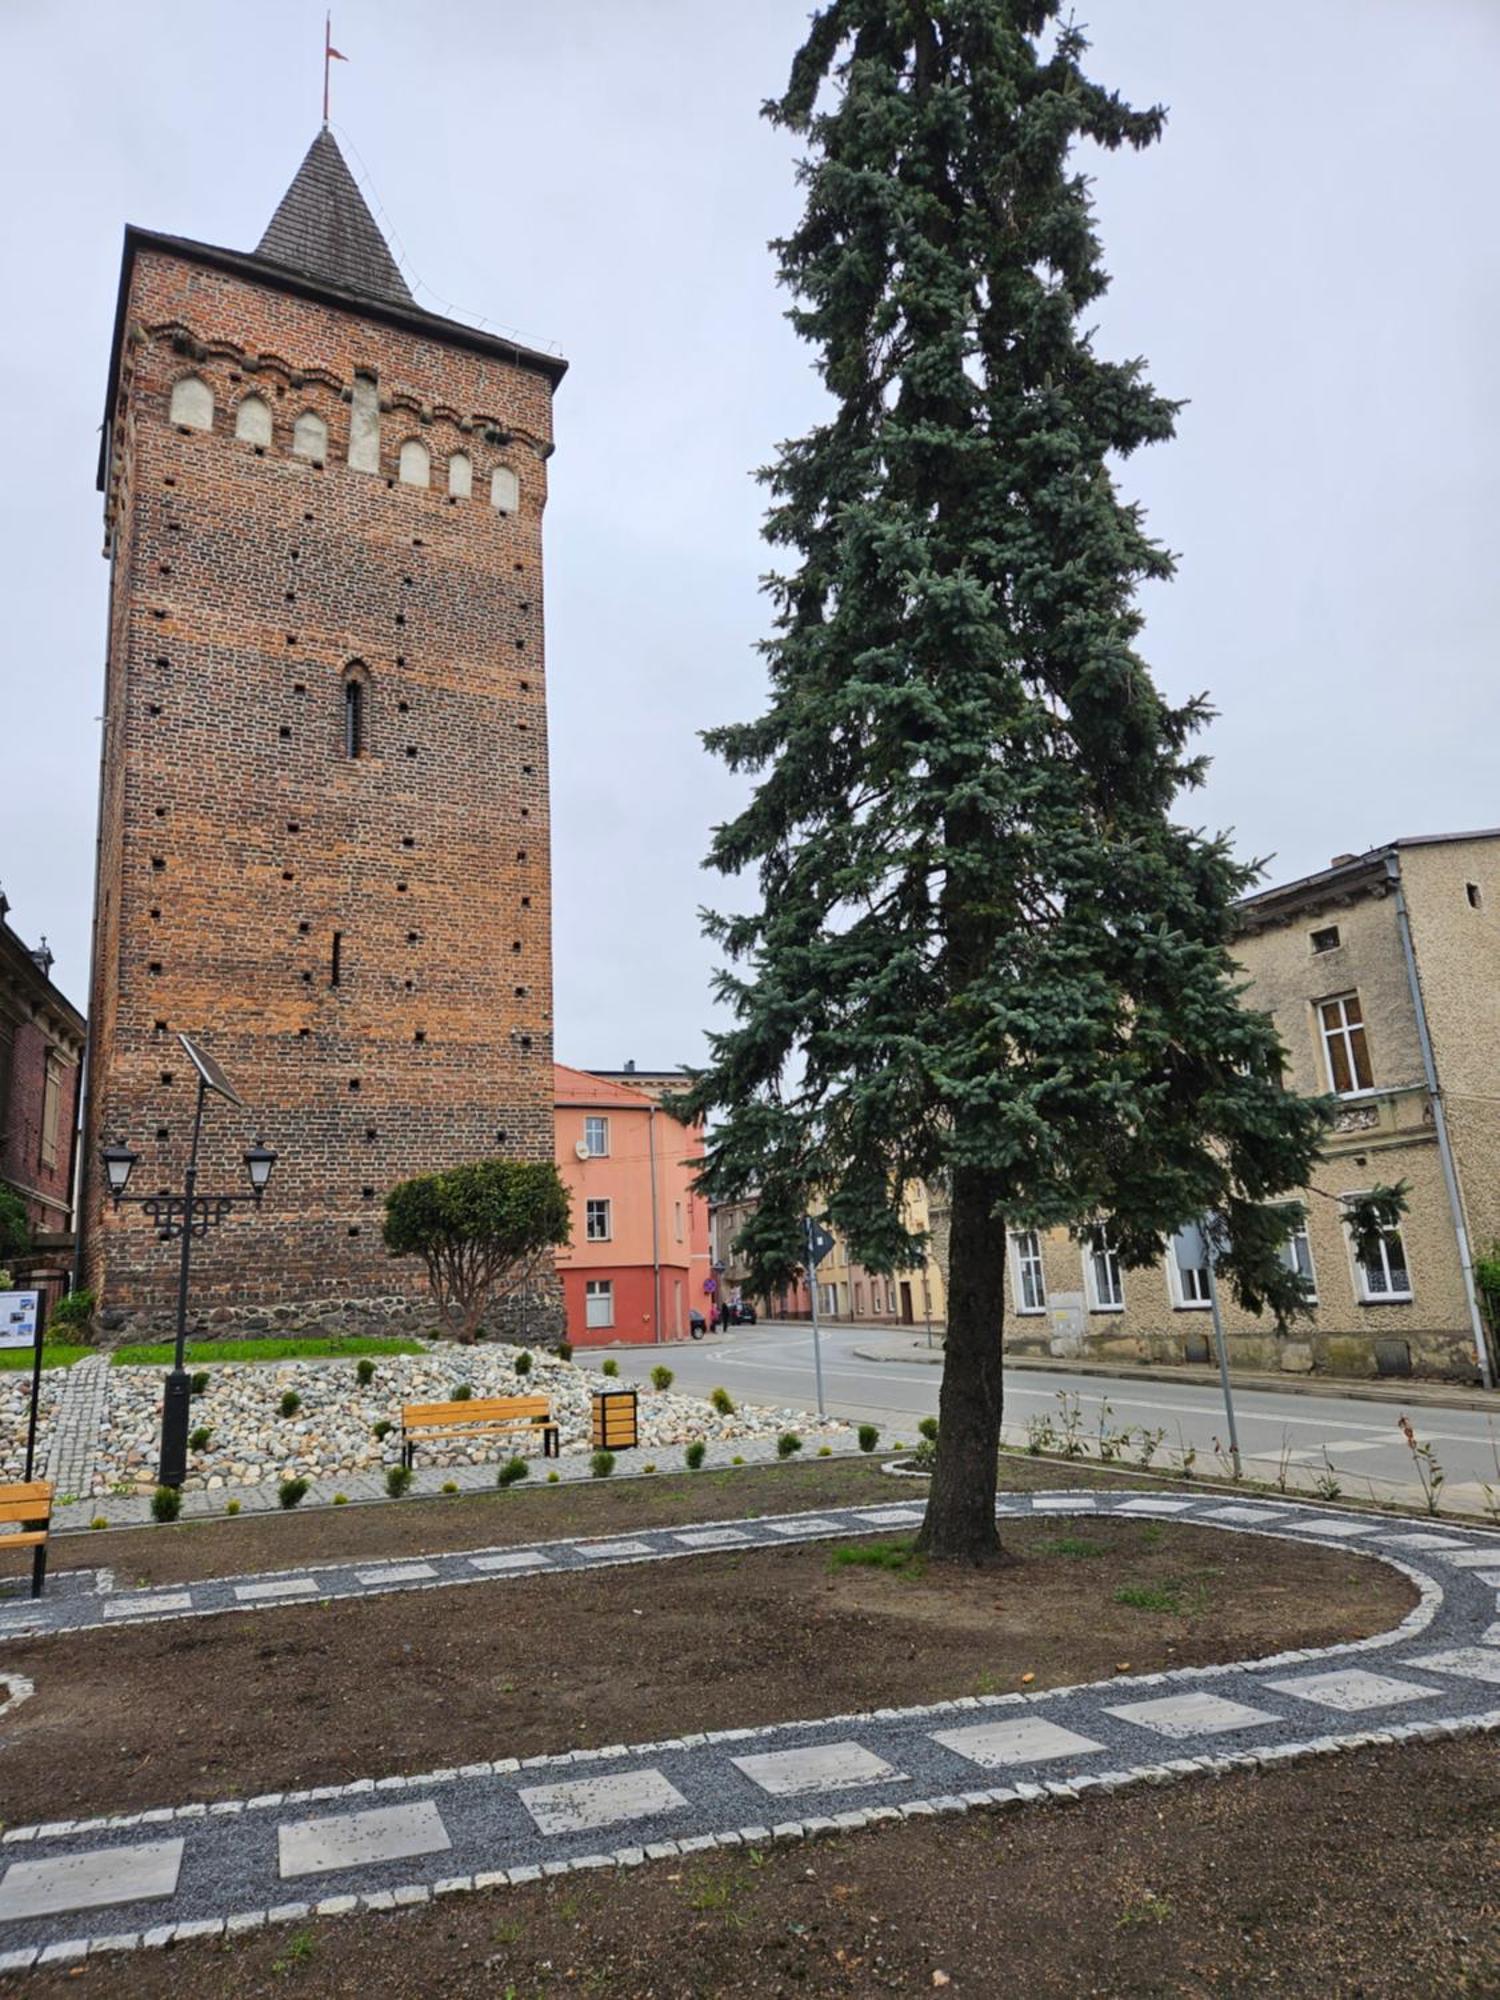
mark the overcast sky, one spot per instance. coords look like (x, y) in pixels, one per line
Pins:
(1311, 258)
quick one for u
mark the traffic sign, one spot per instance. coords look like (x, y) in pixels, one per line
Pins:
(819, 1242)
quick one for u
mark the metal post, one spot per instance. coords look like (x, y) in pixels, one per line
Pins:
(812, 1286)
(177, 1395)
(1213, 1300)
(36, 1386)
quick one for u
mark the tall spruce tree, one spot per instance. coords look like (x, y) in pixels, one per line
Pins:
(984, 949)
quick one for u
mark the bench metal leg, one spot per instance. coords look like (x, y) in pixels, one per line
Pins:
(551, 1445)
(38, 1569)
(408, 1453)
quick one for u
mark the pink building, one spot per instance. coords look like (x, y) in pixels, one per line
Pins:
(640, 1253)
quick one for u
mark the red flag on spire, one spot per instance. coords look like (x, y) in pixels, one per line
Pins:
(330, 54)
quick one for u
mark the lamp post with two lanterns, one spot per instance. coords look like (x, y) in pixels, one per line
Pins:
(185, 1216)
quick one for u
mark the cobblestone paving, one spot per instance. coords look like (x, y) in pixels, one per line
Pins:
(385, 1842)
(75, 1429)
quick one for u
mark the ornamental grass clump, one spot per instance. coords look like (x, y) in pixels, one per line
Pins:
(602, 1464)
(512, 1470)
(291, 1403)
(869, 1436)
(610, 1368)
(397, 1480)
(464, 1392)
(200, 1437)
(198, 1383)
(693, 1456)
(523, 1363)
(788, 1444)
(722, 1401)
(166, 1504)
(364, 1371)
(292, 1492)
(381, 1429)
(662, 1378)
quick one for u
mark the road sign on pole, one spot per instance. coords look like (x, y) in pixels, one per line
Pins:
(1198, 1239)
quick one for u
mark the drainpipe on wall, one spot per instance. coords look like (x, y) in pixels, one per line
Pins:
(655, 1230)
(1440, 1124)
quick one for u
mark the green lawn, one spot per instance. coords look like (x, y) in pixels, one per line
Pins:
(55, 1354)
(159, 1354)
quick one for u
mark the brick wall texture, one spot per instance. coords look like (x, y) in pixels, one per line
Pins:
(239, 840)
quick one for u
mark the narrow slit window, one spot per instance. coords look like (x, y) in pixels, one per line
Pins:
(354, 719)
(335, 959)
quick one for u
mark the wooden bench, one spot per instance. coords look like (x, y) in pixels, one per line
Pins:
(477, 1416)
(31, 1505)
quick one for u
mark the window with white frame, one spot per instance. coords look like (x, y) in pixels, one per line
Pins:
(1187, 1267)
(890, 1297)
(1296, 1253)
(596, 1137)
(1345, 1049)
(1101, 1270)
(830, 1296)
(1031, 1284)
(875, 1304)
(1380, 1268)
(598, 1302)
(596, 1221)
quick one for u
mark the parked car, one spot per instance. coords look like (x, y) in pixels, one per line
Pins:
(739, 1315)
(697, 1324)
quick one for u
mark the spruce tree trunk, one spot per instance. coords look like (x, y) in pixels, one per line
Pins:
(960, 1523)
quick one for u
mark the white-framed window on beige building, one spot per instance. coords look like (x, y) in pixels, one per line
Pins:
(1187, 1269)
(597, 1221)
(1381, 1273)
(598, 1302)
(1027, 1274)
(1296, 1254)
(890, 1296)
(1103, 1281)
(596, 1137)
(1345, 1048)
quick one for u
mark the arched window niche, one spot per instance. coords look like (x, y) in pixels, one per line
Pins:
(310, 437)
(252, 421)
(505, 490)
(193, 403)
(460, 475)
(416, 463)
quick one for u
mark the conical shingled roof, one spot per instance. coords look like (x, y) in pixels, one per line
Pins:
(324, 230)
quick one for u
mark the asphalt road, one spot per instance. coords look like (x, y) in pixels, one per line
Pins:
(1320, 1438)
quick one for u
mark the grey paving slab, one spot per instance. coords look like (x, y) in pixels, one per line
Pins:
(1155, 1507)
(94, 1879)
(276, 1586)
(826, 1767)
(1469, 1558)
(336, 1841)
(583, 1805)
(711, 1538)
(1339, 1530)
(1183, 1715)
(1027, 1739)
(1353, 1688)
(1472, 1663)
(508, 1562)
(417, 1572)
(160, 1605)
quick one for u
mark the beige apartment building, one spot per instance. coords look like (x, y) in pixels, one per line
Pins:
(846, 1290)
(1382, 972)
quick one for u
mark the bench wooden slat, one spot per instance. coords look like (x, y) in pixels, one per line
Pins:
(28, 1500)
(21, 1541)
(528, 1408)
(27, 1489)
(26, 1510)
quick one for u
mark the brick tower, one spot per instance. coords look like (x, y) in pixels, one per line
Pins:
(323, 822)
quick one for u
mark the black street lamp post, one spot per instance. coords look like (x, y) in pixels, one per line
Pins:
(185, 1216)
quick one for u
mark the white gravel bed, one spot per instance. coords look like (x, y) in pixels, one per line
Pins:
(332, 1431)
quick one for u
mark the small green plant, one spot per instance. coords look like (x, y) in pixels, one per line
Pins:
(232, 1507)
(553, 1477)
(166, 1504)
(1326, 1485)
(825, 1451)
(1283, 1462)
(1110, 1443)
(522, 1363)
(1040, 1436)
(512, 1470)
(1070, 1424)
(1150, 1597)
(300, 1949)
(565, 1350)
(382, 1428)
(341, 1499)
(869, 1436)
(738, 1459)
(1426, 1465)
(292, 1492)
(722, 1401)
(650, 1466)
(98, 1522)
(200, 1437)
(788, 1444)
(662, 1377)
(291, 1403)
(450, 1485)
(602, 1464)
(364, 1371)
(397, 1480)
(1147, 1445)
(693, 1456)
(611, 1368)
(75, 1310)
(898, 1557)
(1147, 1909)
(464, 1392)
(198, 1383)
(928, 1428)
(1187, 1456)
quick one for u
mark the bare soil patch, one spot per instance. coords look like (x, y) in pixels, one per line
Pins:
(1324, 1881)
(321, 1694)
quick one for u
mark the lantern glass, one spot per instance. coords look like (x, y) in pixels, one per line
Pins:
(259, 1160)
(118, 1161)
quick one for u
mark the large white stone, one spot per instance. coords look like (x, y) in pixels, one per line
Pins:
(1352, 1688)
(90, 1881)
(1026, 1739)
(823, 1767)
(585, 1803)
(357, 1840)
(1184, 1715)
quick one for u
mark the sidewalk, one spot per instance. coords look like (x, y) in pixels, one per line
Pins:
(1409, 1391)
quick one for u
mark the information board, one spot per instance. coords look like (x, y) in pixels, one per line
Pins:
(19, 1312)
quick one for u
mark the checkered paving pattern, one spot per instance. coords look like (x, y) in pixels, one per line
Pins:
(384, 1842)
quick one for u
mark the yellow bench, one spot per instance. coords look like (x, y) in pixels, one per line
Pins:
(31, 1505)
(477, 1416)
